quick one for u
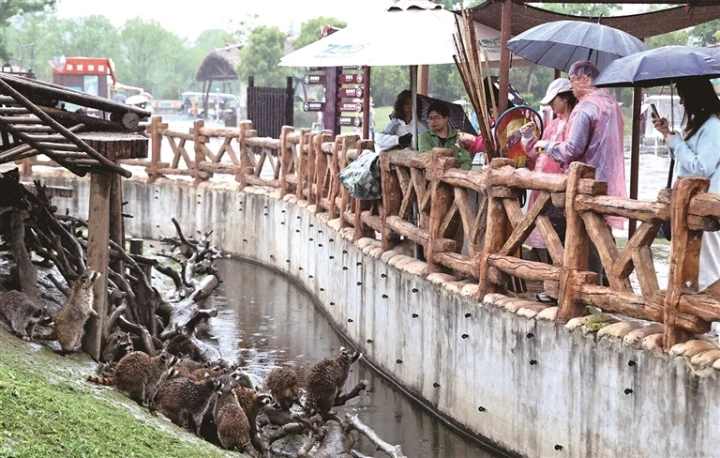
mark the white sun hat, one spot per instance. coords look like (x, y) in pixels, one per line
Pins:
(558, 86)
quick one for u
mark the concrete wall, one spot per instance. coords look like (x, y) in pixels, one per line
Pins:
(528, 386)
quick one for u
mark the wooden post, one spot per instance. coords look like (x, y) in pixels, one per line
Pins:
(301, 167)
(97, 253)
(505, 23)
(117, 225)
(136, 247)
(423, 79)
(496, 231)
(156, 148)
(312, 147)
(441, 199)
(366, 104)
(321, 168)
(199, 155)
(635, 153)
(349, 141)
(392, 200)
(334, 171)
(285, 158)
(684, 255)
(575, 261)
(26, 272)
(246, 164)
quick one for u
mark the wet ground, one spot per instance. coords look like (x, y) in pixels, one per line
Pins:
(268, 321)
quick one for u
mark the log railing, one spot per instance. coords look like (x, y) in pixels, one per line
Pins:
(470, 223)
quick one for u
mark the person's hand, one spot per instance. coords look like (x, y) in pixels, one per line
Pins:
(541, 146)
(405, 140)
(464, 138)
(528, 130)
(661, 125)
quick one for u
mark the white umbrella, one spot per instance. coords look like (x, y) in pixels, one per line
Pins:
(409, 32)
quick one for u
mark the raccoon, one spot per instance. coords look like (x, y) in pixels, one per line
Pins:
(70, 319)
(20, 313)
(185, 401)
(139, 374)
(208, 430)
(117, 345)
(191, 365)
(252, 402)
(233, 427)
(326, 381)
(183, 344)
(283, 385)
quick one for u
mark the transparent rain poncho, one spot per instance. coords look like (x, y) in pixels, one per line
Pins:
(595, 137)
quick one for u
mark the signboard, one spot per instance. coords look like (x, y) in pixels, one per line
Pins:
(351, 78)
(351, 106)
(314, 79)
(352, 93)
(350, 121)
(313, 106)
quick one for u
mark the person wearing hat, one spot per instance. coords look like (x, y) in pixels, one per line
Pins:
(561, 100)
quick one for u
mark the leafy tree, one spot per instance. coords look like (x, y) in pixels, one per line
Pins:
(154, 59)
(705, 34)
(679, 37)
(386, 83)
(261, 56)
(90, 36)
(12, 8)
(310, 30)
(445, 83)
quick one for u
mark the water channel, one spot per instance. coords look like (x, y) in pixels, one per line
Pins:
(266, 321)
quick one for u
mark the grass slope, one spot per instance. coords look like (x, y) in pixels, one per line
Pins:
(48, 410)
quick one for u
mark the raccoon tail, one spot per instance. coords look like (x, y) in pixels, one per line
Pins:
(101, 380)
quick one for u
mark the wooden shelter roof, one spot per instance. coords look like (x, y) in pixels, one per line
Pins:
(220, 64)
(524, 17)
(33, 121)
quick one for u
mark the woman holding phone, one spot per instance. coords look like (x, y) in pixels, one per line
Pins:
(697, 153)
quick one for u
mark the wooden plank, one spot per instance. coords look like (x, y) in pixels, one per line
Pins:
(97, 255)
(645, 234)
(551, 238)
(524, 227)
(643, 260)
(458, 263)
(627, 208)
(528, 270)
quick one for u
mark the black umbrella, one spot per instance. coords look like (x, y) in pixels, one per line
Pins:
(661, 66)
(559, 44)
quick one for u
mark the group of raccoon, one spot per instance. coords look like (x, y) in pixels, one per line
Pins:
(217, 401)
(22, 315)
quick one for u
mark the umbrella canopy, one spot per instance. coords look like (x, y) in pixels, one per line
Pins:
(560, 44)
(409, 32)
(661, 66)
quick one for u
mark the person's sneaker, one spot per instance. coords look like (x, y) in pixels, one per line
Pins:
(542, 297)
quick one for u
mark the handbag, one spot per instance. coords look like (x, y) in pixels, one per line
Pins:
(361, 177)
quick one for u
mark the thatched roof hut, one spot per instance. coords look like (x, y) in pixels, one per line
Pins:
(220, 64)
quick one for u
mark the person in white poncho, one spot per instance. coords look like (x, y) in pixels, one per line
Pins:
(399, 131)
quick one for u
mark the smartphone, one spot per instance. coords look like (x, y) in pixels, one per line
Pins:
(655, 113)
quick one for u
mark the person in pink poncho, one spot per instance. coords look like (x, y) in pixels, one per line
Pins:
(562, 101)
(595, 137)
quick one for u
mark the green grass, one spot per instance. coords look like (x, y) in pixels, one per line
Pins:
(48, 410)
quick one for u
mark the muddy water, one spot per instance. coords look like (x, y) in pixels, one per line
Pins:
(268, 321)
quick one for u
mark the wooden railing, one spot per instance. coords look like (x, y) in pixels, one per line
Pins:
(429, 201)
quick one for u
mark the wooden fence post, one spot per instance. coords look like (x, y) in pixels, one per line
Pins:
(199, 154)
(334, 171)
(285, 158)
(441, 199)
(496, 231)
(684, 256)
(391, 198)
(575, 261)
(246, 164)
(156, 149)
(301, 167)
(321, 169)
(349, 141)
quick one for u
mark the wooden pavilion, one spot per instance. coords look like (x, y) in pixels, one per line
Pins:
(33, 121)
(513, 17)
(219, 65)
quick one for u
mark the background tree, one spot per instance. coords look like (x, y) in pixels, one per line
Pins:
(261, 55)
(582, 9)
(12, 8)
(310, 30)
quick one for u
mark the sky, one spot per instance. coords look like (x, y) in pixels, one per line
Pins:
(189, 20)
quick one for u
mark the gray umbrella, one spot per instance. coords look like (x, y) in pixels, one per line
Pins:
(559, 44)
(661, 66)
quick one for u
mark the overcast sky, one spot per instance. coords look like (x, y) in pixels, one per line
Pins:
(187, 19)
